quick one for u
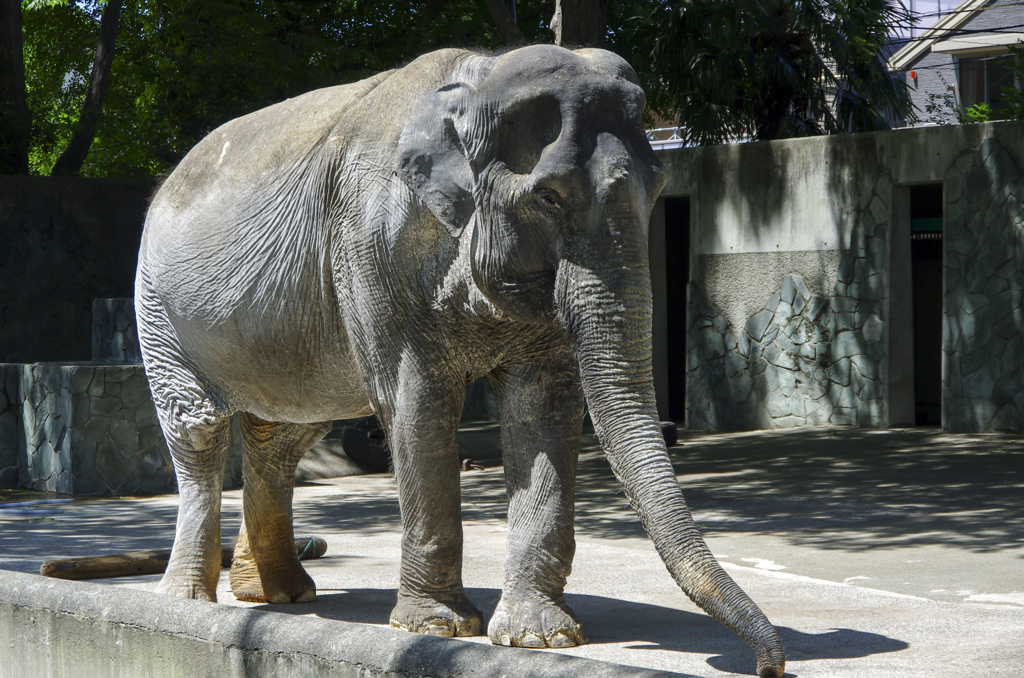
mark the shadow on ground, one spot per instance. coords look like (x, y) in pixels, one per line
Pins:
(837, 489)
(830, 488)
(834, 489)
(859, 489)
(644, 626)
(84, 528)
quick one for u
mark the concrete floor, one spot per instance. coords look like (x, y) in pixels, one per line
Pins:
(889, 553)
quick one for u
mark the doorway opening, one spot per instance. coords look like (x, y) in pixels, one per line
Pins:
(677, 269)
(926, 283)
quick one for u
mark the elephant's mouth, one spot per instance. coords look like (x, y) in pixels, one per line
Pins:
(528, 298)
(528, 283)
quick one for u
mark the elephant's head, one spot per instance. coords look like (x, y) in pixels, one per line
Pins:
(544, 150)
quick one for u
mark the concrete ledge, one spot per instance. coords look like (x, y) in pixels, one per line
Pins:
(50, 627)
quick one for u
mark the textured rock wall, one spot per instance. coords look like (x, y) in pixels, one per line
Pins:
(983, 279)
(64, 241)
(481, 402)
(739, 286)
(91, 429)
(805, 358)
(10, 413)
(808, 358)
(50, 274)
(114, 338)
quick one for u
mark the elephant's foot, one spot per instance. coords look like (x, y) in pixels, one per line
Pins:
(186, 586)
(277, 586)
(447, 617)
(535, 622)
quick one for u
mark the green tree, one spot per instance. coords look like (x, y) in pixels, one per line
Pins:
(70, 161)
(183, 67)
(68, 50)
(580, 23)
(15, 119)
(767, 69)
(1012, 103)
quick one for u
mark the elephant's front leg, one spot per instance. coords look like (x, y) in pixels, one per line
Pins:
(541, 408)
(422, 426)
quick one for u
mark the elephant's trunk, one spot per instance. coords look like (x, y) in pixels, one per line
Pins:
(608, 315)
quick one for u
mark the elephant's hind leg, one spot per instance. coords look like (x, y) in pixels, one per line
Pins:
(266, 567)
(196, 431)
(198, 453)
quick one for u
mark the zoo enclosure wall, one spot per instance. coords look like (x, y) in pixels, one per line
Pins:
(799, 306)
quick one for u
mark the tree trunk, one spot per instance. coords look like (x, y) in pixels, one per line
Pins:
(136, 563)
(510, 32)
(70, 161)
(15, 119)
(772, 101)
(580, 23)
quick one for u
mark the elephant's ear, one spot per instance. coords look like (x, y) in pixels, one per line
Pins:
(432, 158)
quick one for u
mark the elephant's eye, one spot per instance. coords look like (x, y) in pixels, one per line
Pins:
(548, 198)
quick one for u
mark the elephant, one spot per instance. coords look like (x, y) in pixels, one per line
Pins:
(373, 248)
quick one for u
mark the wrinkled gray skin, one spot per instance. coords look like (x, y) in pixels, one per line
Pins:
(376, 246)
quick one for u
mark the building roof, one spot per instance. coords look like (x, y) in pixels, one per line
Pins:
(976, 45)
(932, 39)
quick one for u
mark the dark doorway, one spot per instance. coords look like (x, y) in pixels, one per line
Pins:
(926, 263)
(677, 267)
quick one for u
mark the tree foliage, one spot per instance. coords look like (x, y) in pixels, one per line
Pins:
(722, 68)
(184, 67)
(1010, 105)
(70, 161)
(15, 118)
(768, 69)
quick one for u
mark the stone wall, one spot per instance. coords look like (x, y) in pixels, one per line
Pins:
(799, 300)
(89, 428)
(114, 338)
(50, 275)
(805, 359)
(52, 628)
(984, 279)
(10, 415)
(63, 243)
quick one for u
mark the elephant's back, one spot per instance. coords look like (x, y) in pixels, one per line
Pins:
(235, 252)
(246, 195)
(246, 153)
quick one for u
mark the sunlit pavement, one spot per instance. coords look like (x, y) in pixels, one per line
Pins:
(888, 553)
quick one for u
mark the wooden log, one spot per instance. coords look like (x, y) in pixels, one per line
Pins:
(136, 563)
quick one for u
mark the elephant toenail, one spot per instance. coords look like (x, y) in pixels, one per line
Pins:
(506, 641)
(439, 627)
(280, 598)
(530, 640)
(561, 639)
(468, 627)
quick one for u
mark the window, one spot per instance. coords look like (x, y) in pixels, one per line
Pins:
(927, 13)
(982, 81)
